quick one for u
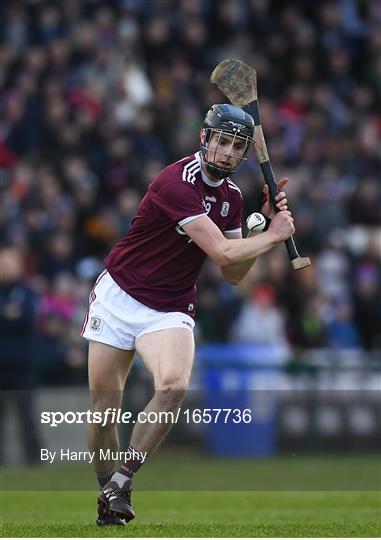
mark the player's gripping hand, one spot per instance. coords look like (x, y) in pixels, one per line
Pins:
(282, 225)
(267, 208)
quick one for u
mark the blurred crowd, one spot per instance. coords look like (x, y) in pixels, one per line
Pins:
(98, 96)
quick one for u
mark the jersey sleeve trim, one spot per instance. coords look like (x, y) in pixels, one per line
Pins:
(190, 218)
(232, 231)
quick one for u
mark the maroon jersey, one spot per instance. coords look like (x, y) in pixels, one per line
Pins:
(156, 262)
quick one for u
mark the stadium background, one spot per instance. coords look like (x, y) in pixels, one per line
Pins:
(96, 97)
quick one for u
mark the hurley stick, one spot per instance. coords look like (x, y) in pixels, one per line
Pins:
(238, 82)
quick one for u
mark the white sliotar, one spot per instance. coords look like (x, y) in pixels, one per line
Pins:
(256, 223)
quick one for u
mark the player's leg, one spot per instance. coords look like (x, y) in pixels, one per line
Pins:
(108, 369)
(168, 355)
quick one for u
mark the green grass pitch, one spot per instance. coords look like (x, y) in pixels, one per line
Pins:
(275, 512)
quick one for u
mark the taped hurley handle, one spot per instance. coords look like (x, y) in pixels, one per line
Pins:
(263, 159)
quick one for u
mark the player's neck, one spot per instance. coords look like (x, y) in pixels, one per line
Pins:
(208, 176)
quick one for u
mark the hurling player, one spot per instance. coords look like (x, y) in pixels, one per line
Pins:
(145, 299)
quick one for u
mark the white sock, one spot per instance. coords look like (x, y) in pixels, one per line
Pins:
(120, 479)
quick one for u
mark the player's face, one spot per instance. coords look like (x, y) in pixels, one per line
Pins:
(225, 150)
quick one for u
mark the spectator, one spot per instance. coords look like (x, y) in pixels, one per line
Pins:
(342, 333)
(261, 321)
(17, 362)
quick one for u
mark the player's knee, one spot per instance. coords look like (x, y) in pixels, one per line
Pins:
(102, 428)
(172, 383)
(104, 411)
(172, 389)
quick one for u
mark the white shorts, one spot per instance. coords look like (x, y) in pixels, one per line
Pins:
(117, 319)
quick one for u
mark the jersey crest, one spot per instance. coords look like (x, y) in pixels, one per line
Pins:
(225, 209)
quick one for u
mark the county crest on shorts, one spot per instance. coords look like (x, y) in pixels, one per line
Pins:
(95, 324)
(225, 209)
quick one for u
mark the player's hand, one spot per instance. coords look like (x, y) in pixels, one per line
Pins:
(282, 225)
(267, 208)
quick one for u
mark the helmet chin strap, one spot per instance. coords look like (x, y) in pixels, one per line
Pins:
(217, 172)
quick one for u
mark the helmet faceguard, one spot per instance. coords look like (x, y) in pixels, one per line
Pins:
(232, 121)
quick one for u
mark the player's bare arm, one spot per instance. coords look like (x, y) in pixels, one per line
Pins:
(226, 252)
(234, 273)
